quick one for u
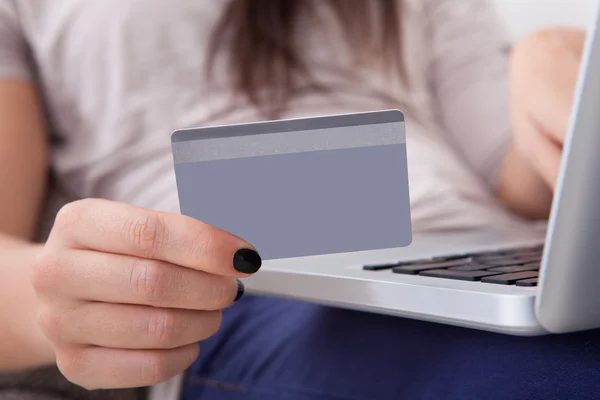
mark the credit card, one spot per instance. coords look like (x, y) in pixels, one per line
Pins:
(300, 187)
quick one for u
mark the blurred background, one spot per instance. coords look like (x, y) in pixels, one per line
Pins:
(525, 16)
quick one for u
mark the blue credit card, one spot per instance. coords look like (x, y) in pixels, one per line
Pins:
(300, 187)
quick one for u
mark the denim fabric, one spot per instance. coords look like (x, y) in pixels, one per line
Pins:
(286, 350)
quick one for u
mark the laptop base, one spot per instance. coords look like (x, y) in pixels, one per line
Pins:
(341, 280)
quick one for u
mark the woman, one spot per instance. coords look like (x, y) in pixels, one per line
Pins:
(125, 288)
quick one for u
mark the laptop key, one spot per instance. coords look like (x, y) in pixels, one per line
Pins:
(460, 275)
(510, 279)
(505, 263)
(416, 268)
(527, 282)
(492, 258)
(451, 257)
(493, 253)
(515, 268)
(528, 259)
(470, 267)
(524, 252)
(381, 267)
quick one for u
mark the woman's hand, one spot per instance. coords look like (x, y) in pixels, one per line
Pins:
(125, 294)
(544, 70)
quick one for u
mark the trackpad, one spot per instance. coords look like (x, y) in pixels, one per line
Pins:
(300, 187)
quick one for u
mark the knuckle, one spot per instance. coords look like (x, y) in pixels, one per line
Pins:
(70, 215)
(147, 232)
(150, 281)
(162, 328)
(49, 322)
(47, 270)
(53, 323)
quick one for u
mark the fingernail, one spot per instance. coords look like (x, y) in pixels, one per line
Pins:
(246, 261)
(240, 290)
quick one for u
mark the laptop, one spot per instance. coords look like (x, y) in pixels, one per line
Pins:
(518, 282)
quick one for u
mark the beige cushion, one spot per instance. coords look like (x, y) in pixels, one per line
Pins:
(49, 384)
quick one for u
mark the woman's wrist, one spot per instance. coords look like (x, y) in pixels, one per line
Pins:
(522, 188)
(22, 344)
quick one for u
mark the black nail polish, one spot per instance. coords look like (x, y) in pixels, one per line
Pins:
(246, 261)
(240, 290)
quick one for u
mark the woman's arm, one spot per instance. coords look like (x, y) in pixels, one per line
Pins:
(23, 171)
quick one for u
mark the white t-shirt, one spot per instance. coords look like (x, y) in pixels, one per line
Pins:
(119, 76)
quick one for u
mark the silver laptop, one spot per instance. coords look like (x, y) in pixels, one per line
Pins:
(516, 282)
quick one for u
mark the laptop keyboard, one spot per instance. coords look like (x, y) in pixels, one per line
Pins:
(519, 266)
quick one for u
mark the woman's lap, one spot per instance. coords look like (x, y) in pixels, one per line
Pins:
(277, 349)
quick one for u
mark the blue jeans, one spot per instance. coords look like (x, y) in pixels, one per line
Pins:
(273, 349)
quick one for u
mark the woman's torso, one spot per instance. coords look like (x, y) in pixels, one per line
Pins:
(118, 77)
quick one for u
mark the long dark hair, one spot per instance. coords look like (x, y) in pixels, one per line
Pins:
(260, 39)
